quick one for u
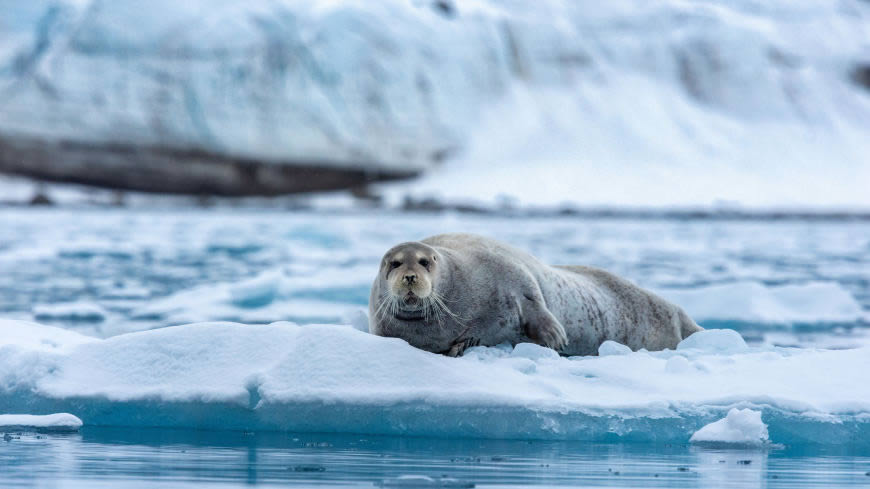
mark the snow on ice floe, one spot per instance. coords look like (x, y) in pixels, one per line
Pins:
(48, 422)
(741, 427)
(331, 378)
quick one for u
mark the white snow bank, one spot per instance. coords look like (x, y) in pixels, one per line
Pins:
(740, 427)
(34, 337)
(331, 378)
(49, 422)
(752, 301)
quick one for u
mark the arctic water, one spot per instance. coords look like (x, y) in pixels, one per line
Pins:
(795, 290)
(115, 458)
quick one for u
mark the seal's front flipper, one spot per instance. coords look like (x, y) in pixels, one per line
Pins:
(460, 346)
(541, 325)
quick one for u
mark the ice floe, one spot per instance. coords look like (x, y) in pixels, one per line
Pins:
(72, 311)
(48, 422)
(332, 378)
(754, 301)
(300, 295)
(741, 427)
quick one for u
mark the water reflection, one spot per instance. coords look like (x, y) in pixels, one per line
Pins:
(173, 458)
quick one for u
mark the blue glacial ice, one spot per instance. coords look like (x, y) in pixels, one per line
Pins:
(608, 100)
(333, 378)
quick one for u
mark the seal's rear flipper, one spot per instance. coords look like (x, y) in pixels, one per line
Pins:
(541, 325)
(687, 325)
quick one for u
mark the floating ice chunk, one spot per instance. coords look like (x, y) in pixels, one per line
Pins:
(612, 348)
(258, 291)
(533, 351)
(715, 341)
(358, 320)
(125, 292)
(740, 427)
(48, 422)
(309, 297)
(71, 311)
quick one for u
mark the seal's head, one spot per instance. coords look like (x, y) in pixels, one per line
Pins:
(409, 272)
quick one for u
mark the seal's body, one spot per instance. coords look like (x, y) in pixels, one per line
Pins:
(452, 291)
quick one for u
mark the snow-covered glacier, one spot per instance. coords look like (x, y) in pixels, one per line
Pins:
(330, 378)
(625, 102)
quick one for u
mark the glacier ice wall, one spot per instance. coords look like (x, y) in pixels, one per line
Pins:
(761, 102)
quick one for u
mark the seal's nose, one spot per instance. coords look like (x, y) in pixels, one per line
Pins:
(410, 278)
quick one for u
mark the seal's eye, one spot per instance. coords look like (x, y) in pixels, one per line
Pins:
(395, 264)
(424, 262)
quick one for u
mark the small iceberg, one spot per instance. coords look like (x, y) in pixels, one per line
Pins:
(59, 422)
(740, 428)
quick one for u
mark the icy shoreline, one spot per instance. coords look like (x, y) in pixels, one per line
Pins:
(329, 378)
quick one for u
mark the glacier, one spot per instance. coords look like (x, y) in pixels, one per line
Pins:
(622, 103)
(334, 378)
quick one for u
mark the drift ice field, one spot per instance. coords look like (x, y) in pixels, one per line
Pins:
(98, 305)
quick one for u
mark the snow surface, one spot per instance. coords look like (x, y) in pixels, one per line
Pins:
(48, 422)
(330, 378)
(621, 103)
(741, 427)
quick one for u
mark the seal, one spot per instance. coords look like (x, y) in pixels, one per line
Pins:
(453, 291)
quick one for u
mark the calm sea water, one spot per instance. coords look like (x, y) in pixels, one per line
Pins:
(123, 458)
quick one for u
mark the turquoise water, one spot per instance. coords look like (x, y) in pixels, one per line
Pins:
(122, 458)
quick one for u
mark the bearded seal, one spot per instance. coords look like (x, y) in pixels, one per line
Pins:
(452, 291)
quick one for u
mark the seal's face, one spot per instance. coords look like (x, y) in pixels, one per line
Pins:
(409, 273)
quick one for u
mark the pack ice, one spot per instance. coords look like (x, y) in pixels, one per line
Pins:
(332, 378)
